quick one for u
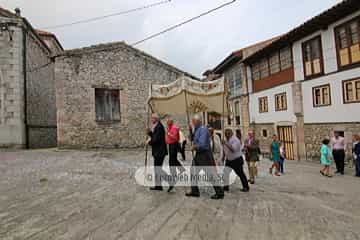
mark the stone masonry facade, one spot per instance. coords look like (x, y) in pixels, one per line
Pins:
(27, 89)
(108, 66)
(264, 133)
(316, 132)
(41, 102)
(12, 128)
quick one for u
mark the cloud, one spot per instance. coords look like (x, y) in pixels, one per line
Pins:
(195, 47)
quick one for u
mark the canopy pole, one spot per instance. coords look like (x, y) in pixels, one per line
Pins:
(187, 110)
(147, 126)
(149, 108)
(188, 120)
(223, 112)
(223, 120)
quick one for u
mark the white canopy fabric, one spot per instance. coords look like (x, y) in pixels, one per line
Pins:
(187, 96)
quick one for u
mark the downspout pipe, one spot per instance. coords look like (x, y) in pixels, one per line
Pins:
(24, 32)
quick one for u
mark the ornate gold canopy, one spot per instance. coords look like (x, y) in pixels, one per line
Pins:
(186, 95)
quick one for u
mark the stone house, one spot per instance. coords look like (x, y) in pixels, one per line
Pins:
(27, 90)
(101, 94)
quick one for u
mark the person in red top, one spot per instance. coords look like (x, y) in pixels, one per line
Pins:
(173, 134)
(172, 139)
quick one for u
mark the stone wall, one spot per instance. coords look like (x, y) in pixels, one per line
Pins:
(315, 133)
(264, 141)
(12, 128)
(118, 66)
(40, 130)
(41, 102)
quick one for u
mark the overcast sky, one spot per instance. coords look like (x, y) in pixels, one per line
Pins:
(195, 47)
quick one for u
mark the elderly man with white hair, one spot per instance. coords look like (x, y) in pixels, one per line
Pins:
(203, 159)
(159, 149)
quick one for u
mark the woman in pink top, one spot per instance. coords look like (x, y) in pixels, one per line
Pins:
(172, 139)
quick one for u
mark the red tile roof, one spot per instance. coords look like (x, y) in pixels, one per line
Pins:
(239, 54)
(43, 33)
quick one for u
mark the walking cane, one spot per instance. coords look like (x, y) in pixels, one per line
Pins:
(146, 144)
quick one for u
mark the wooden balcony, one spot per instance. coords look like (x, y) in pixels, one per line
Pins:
(274, 80)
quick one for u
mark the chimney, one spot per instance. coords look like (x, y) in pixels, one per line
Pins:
(18, 12)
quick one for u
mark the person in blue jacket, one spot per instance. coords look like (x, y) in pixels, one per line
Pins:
(325, 158)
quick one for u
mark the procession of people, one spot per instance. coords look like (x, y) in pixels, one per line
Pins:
(210, 152)
(218, 156)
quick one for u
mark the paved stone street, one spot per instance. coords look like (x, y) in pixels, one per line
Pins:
(51, 194)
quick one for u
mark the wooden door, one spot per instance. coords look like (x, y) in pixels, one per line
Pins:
(287, 139)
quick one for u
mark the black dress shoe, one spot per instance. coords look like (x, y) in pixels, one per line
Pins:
(245, 190)
(217, 197)
(156, 188)
(226, 188)
(190, 194)
(170, 189)
(252, 181)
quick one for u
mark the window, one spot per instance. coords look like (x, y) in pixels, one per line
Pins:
(237, 113)
(278, 61)
(351, 90)
(230, 115)
(235, 82)
(280, 102)
(312, 57)
(321, 96)
(347, 41)
(256, 71)
(263, 105)
(264, 68)
(264, 133)
(285, 58)
(107, 105)
(274, 63)
(341, 133)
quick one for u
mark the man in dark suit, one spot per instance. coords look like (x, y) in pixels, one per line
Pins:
(159, 149)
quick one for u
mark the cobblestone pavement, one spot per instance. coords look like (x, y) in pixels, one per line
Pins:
(51, 194)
